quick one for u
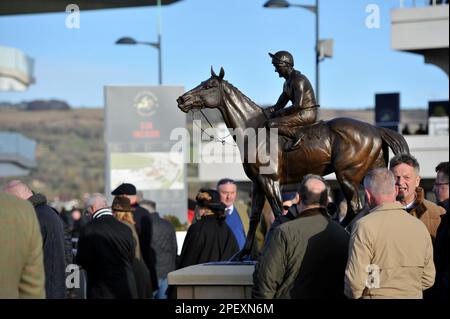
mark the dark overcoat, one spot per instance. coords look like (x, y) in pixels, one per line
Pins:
(53, 240)
(208, 240)
(106, 252)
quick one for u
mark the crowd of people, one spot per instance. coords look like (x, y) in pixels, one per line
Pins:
(397, 247)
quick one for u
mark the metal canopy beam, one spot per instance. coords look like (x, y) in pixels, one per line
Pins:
(47, 6)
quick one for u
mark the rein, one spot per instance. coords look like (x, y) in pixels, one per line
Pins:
(220, 140)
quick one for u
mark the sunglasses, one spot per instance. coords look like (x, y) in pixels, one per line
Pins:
(286, 207)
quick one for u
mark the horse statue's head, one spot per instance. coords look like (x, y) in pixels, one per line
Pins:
(206, 95)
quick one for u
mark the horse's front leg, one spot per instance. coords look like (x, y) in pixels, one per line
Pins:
(257, 206)
(265, 188)
(273, 194)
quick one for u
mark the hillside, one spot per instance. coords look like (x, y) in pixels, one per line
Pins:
(69, 151)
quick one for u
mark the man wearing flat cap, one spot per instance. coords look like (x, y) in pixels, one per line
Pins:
(143, 227)
(125, 189)
(298, 90)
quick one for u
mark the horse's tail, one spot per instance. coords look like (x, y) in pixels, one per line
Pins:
(394, 140)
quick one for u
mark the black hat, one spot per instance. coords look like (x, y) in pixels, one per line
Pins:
(209, 198)
(125, 189)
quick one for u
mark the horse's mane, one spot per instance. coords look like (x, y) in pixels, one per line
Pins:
(245, 97)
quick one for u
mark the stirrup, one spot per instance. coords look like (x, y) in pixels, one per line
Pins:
(294, 145)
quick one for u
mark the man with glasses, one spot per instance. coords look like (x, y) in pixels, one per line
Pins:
(442, 249)
(440, 187)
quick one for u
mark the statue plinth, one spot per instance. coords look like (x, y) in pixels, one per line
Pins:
(214, 281)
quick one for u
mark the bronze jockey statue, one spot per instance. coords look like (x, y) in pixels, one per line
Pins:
(299, 91)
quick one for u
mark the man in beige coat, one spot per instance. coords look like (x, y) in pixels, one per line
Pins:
(21, 257)
(390, 251)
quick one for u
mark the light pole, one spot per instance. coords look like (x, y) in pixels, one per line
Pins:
(157, 45)
(314, 9)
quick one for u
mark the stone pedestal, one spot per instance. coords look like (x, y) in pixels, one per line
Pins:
(213, 281)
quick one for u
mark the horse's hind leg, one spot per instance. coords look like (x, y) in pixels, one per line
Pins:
(257, 206)
(350, 166)
(382, 159)
(350, 188)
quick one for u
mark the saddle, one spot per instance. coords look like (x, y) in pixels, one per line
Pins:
(311, 131)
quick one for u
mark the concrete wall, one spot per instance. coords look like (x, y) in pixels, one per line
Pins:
(423, 31)
(420, 28)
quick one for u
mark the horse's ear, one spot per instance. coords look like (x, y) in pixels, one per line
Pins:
(221, 74)
(213, 74)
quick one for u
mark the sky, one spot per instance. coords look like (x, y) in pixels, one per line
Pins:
(75, 64)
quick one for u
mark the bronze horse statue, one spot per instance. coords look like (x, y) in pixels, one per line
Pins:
(345, 146)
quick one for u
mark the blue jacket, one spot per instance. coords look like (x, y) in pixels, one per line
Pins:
(233, 221)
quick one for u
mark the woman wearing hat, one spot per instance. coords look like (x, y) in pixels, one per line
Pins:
(123, 211)
(210, 239)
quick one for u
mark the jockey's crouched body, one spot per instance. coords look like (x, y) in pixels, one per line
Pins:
(299, 91)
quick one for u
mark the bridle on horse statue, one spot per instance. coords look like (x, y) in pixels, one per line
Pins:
(220, 140)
